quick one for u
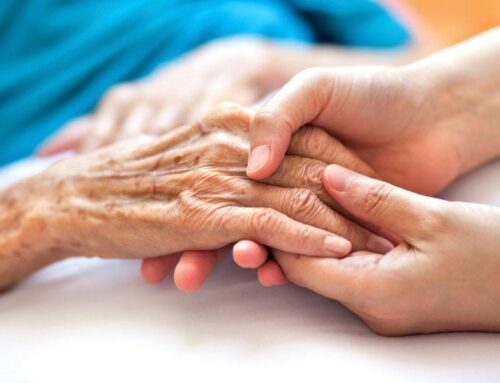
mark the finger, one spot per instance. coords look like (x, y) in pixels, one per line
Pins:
(325, 276)
(200, 266)
(298, 103)
(166, 141)
(308, 175)
(270, 274)
(249, 254)
(276, 230)
(69, 138)
(315, 143)
(110, 115)
(221, 93)
(137, 120)
(228, 116)
(167, 118)
(409, 215)
(304, 206)
(193, 269)
(155, 270)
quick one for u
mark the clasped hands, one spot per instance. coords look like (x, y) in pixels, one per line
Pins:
(416, 129)
(402, 261)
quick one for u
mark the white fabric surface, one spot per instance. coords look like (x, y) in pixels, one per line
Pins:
(92, 320)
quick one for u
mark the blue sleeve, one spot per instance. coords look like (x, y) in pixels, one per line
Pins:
(58, 57)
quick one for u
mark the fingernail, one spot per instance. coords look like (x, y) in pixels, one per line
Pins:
(379, 245)
(337, 245)
(259, 157)
(338, 177)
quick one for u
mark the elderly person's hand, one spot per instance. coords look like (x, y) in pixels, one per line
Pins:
(418, 126)
(241, 70)
(443, 276)
(238, 69)
(193, 267)
(184, 191)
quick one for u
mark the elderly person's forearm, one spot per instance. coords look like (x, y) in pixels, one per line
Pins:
(27, 241)
(185, 190)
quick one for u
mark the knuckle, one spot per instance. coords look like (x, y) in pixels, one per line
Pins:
(375, 198)
(312, 173)
(117, 95)
(119, 92)
(260, 222)
(303, 237)
(304, 201)
(228, 116)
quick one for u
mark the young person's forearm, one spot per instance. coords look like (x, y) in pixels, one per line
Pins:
(468, 76)
(294, 58)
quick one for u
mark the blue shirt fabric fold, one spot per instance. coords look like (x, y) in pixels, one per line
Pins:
(57, 57)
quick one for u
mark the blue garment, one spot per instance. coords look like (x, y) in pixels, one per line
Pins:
(58, 57)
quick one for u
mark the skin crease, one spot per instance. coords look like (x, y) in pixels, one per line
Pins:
(443, 276)
(242, 70)
(186, 190)
(443, 119)
(384, 291)
(429, 283)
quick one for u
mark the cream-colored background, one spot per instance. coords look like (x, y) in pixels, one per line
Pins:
(91, 320)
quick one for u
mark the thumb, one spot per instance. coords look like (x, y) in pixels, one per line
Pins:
(406, 214)
(298, 103)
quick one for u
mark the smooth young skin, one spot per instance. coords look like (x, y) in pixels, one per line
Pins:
(443, 276)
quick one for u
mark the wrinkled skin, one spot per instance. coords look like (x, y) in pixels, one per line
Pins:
(418, 126)
(188, 190)
(191, 181)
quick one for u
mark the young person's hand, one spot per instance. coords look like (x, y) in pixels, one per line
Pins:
(418, 126)
(443, 275)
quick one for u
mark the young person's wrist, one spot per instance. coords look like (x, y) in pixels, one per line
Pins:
(463, 84)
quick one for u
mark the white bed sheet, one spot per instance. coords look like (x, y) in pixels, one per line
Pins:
(92, 320)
